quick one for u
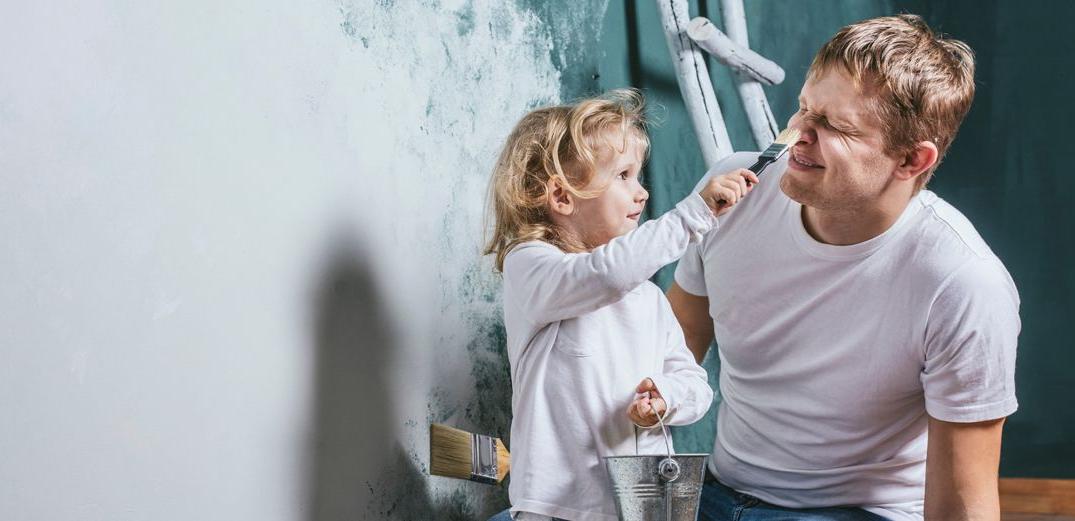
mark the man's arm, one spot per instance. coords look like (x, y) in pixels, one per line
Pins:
(692, 312)
(961, 470)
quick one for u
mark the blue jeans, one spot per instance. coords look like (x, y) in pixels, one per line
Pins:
(506, 516)
(720, 503)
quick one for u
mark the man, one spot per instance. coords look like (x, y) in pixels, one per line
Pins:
(867, 333)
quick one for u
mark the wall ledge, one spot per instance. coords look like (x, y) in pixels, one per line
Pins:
(1037, 496)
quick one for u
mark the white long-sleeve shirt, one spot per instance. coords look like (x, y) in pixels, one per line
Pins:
(583, 329)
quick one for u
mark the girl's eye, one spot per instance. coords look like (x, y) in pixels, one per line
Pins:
(623, 175)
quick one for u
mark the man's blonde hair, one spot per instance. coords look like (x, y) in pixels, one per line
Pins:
(561, 142)
(922, 83)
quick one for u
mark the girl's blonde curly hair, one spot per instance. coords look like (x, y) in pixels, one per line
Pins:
(559, 142)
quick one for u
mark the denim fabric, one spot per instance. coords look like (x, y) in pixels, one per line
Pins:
(502, 516)
(506, 516)
(720, 503)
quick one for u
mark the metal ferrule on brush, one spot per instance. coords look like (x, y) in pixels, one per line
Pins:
(483, 459)
(771, 154)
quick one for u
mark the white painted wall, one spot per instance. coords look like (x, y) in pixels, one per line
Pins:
(240, 266)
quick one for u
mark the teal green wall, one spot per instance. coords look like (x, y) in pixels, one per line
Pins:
(1009, 172)
(1005, 170)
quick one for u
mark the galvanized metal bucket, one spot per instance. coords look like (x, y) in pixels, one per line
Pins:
(657, 488)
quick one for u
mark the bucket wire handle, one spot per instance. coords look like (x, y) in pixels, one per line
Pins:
(668, 468)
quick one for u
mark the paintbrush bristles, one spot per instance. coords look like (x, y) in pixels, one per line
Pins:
(449, 452)
(787, 137)
(503, 460)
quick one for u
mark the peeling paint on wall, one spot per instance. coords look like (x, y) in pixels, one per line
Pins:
(262, 263)
(447, 81)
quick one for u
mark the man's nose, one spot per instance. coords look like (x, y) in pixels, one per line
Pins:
(807, 132)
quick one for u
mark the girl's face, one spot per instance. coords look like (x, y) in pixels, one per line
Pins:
(619, 207)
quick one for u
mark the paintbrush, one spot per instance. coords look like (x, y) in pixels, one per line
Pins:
(456, 453)
(779, 147)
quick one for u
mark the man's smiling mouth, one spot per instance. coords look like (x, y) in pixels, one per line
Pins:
(803, 161)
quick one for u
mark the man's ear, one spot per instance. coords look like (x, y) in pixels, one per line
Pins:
(919, 161)
(560, 201)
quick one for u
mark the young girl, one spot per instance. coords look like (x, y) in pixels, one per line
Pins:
(595, 350)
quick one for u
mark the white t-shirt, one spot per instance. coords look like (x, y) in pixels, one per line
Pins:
(583, 329)
(832, 356)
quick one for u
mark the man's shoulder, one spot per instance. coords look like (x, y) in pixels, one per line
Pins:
(941, 220)
(757, 207)
(727, 164)
(944, 243)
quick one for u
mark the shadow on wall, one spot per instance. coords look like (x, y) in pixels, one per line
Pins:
(357, 467)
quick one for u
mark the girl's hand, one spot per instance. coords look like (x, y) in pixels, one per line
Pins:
(649, 401)
(722, 192)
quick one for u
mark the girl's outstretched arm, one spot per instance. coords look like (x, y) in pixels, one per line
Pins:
(550, 285)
